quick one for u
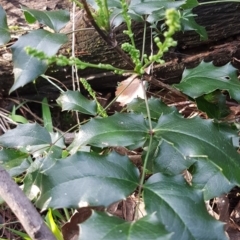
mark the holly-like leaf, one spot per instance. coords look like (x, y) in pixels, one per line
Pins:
(14, 161)
(156, 107)
(109, 227)
(56, 20)
(180, 208)
(206, 176)
(86, 179)
(75, 101)
(4, 31)
(198, 138)
(213, 104)
(206, 78)
(25, 135)
(151, 6)
(169, 160)
(188, 23)
(190, 4)
(27, 68)
(120, 129)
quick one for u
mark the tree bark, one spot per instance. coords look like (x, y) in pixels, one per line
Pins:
(222, 24)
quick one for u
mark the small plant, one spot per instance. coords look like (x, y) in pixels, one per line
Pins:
(88, 172)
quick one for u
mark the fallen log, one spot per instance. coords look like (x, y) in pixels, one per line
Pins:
(222, 24)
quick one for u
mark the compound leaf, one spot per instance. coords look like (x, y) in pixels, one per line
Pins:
(192, 138)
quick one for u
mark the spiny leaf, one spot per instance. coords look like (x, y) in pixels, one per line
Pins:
(4, 31)
(188, 23)
(181, 209)
(190, 4)
(86, 179)
(156, 107)
(169, 160)
(75, 101)
(108, 227)
(151, 6)
(206, 78)
(27, 68)
(207, 176)
(14, 161)
(56, 20)
(196, 137)
(121, 129)
(25, 135)
(213, 104)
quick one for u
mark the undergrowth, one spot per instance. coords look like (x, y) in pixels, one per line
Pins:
(185, 162)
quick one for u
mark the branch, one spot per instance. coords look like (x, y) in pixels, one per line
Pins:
(104, 36)
(23, 208)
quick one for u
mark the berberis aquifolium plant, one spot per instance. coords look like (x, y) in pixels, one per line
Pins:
(89, 172)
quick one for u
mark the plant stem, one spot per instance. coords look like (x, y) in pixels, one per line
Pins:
(106, 12)
(144, 40)
(148, 150)
(104, 36)
(66, 213)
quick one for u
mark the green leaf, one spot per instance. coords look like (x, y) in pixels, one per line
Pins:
(56, 20)
(52, 225)
(156, 107)
(108, 227)
(47, 118)
(23, 235)
(206, 176)
(169, 160)
(188, 23)
(25, 135)
(198, 138)
(156, 16)
(181, 208)
(154, 147)
(27, 68)
(206, 78)
(4, 31)
(213, 104)
(190, 4)
(120, 129)
(86, 179)
(17, 118)
(75, 101)
(148, 7)
(14, 161)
